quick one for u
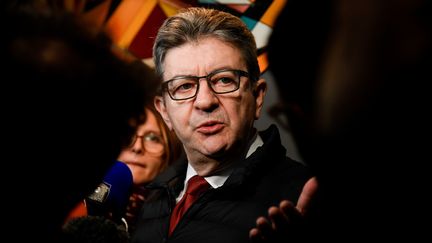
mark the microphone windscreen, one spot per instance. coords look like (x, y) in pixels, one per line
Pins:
(112, 195)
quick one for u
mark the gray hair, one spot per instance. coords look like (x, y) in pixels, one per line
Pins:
(194, 23)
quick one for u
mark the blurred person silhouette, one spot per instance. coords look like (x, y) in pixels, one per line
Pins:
(67, 103)
(93, 229)
(352, 77)
(153, 148)
(211, 95)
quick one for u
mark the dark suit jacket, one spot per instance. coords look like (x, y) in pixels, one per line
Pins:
(225, 214)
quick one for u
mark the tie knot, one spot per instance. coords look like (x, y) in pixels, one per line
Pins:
(197, 185)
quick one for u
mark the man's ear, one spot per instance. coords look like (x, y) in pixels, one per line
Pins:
(159, 104)
(259, 94)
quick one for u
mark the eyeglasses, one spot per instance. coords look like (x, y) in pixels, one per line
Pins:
(151, 142)
(220, 82)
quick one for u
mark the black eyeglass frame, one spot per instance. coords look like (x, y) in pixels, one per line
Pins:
(207, 77)
(144, 143)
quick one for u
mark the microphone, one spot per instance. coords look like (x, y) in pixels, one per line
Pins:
(111, 197)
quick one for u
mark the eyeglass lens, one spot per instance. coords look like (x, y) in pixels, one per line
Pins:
(220, 82)
(152, 142)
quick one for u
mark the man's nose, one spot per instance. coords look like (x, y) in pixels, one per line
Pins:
(205, 98)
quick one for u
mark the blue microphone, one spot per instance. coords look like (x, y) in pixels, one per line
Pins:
(111, 197)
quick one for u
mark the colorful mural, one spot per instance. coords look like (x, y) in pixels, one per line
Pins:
(132, 24)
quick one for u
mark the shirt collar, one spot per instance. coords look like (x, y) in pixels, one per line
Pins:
(216, 181)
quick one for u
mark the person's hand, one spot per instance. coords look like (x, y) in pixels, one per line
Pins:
(307, 195)
(285, 219)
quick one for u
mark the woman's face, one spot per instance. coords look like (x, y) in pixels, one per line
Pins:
(144, 156)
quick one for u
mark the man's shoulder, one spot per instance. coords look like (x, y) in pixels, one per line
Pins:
(288, 165)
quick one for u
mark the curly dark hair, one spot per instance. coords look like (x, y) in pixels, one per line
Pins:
(94, 229)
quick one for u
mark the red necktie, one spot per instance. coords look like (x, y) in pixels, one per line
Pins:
(196, 186)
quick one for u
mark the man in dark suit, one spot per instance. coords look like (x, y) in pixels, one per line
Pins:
(211, 94)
